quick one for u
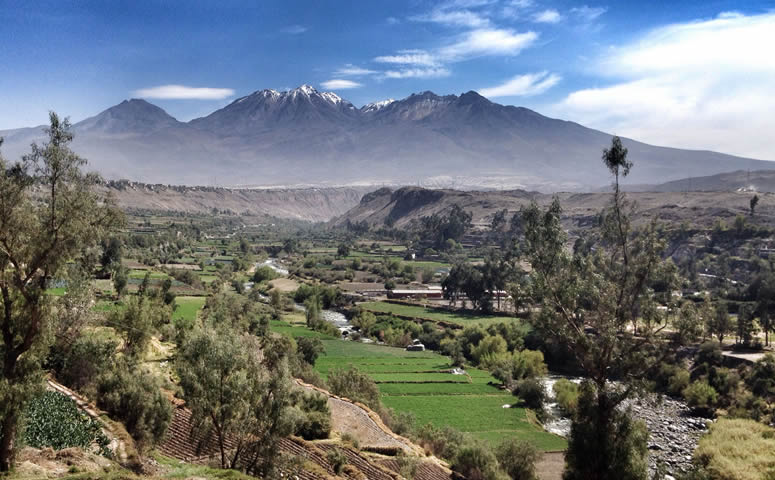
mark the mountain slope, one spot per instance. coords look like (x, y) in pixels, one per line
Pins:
(580, 210)
(311, 137)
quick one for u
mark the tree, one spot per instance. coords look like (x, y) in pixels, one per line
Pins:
(309, 348)
(120, 280)
(111, 254)
(746, 325)
(49, 212)
(753, 203)
(343, 250)
(589, 301)
(720, 322)
(233, 396)
(687, 326)
(136, 322)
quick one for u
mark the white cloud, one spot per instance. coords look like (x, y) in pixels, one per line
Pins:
(526, 85)
(465, 18)
(354, 71)
(294, 29)
(181, 92)
(340, 84)
(409, 57)
(547, 16)
(587, 13)
(488, 42)
(705, 84)
(432, 72)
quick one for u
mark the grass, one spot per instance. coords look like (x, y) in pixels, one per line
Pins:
(463, 318)
(738, 449)
(416, 382)
(152, 275)
(481, 415)
(56, 292)
(188, 307)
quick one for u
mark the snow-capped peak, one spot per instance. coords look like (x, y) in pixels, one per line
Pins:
(305, 89)
(377, 106)
(332, 97)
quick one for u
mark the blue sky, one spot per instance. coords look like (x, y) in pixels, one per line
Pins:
(694, 74)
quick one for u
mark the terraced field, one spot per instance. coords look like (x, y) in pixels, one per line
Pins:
(435, 314)
(422, 383)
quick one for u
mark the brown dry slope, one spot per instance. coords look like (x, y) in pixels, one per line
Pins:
(408, 204)
(310, 204)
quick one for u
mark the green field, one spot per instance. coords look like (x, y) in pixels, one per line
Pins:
(420, 383)
(434, 314)
(187, 307)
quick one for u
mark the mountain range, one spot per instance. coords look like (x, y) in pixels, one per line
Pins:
(306, 137)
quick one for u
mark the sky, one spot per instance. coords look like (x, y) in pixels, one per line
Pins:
(689, 74)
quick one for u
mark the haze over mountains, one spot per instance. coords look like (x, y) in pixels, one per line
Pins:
(306, 137)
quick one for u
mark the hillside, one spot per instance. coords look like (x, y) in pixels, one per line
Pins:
(303, 136)
(309, 204)
(739, 180)
(407, 204)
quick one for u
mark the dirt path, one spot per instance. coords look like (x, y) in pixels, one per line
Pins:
(550, 466)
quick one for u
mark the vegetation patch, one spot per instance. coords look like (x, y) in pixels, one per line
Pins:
(53, 420)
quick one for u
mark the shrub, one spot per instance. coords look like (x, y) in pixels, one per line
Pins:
(309, 348)
(53, 420)
(407, 465)
(83, 362)
(678, 381)
(313, 420)
(443, 442)
(476, 461)
(518, 458)
(532, 393)
(566, 394)
(701, 397)
(135, 398)
(353, 384)
(264, 274)
(337, 460)
(401, 423)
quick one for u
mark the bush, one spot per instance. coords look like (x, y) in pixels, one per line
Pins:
(53, 420)
(264, 274)
(337, 460)
(518, 459)
(357, 386)
(83, 362)
(532, 393)
(701, 397)
(442, 442)
(476, 461)
(566, 394)
(314, 417)
(309, 348)
(135, 399)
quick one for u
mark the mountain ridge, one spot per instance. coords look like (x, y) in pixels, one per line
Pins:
(306, 136)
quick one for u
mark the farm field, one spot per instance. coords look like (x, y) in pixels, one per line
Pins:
(438, 315)
(421, 383)
(188, 307)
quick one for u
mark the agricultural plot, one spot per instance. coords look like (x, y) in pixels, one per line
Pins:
(422, 383)
(187, 308)
(435, 314)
